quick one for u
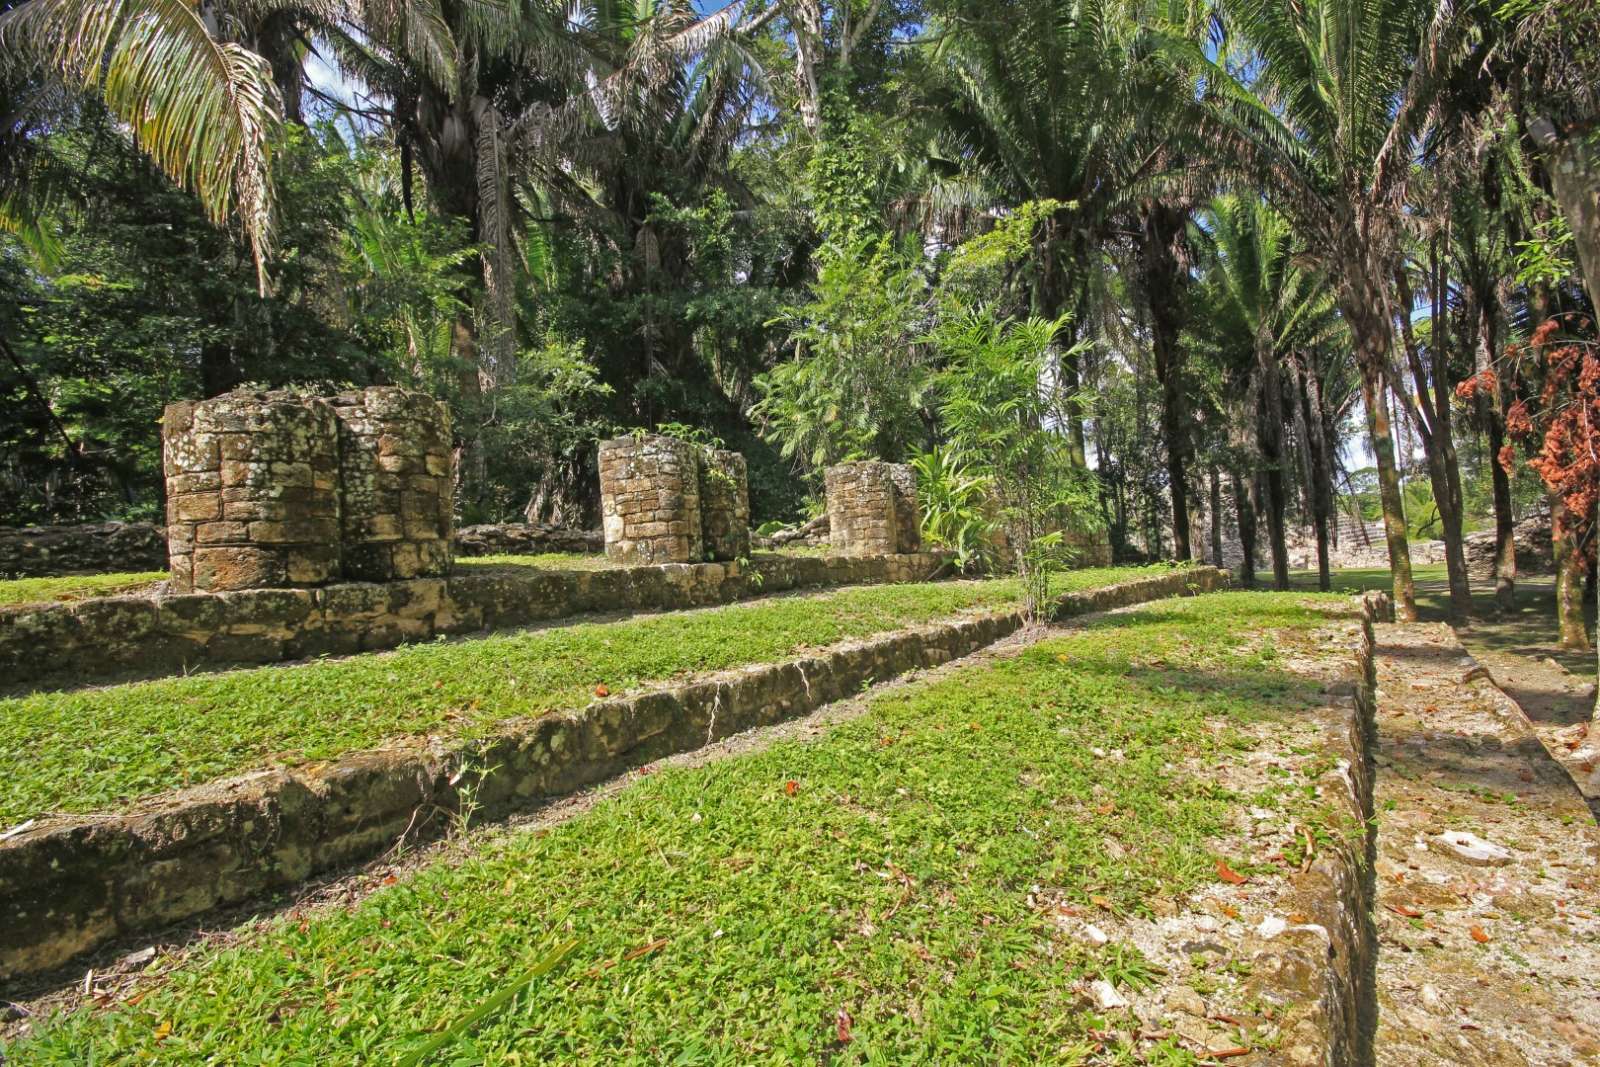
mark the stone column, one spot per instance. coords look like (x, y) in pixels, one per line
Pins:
(650, 500)
(252, 498)
(861, 508)
(396, 484)
(724, 504)
(907, 512)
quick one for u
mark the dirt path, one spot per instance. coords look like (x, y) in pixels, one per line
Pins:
(1489, 944)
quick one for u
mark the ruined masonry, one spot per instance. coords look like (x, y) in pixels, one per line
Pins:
(268, 490)
(724, 504)
(650, 500)
(872, 508)
(395, 485)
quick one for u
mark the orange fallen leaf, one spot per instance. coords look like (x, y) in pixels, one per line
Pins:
(164, 1030)
(1229, 875)
(1229, 910)
(1230, 1053)
(1102, 902)
(1105, 809)
(390, 879)
(791, 787)
(601, 691)
(1478, 935)
(1402, 909)
(841, 1027)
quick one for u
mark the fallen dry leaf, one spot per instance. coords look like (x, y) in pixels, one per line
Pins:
(1406, 910)
(1229, 875)
(841, 1027)
(791, 787)
(1230, 1053)
(1478, 935)
(601, 691)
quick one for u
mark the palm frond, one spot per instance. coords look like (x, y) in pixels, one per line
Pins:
(204, 110)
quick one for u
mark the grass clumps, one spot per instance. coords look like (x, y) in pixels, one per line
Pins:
(882, 895)
(17, 591)
(91, 749)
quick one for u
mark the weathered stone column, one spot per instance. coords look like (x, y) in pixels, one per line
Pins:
(396, 488)
(907, 512)
(862, 518)
(724, 504)
(252, 498)
(650, 500)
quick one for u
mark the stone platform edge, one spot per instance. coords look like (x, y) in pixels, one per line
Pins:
(70, 884)
(153, 635)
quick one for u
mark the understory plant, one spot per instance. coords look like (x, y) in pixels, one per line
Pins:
(954, 497)
(999, 391)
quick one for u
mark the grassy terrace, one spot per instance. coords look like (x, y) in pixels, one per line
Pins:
(879, 885)
(75, 586)
(92, 749)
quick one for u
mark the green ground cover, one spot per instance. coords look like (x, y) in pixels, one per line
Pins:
(869, 897)
(90, 749)
(75, 586)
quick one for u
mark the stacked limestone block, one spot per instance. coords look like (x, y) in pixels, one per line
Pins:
(395, 484)
(724, 504)
(872, 509)
(907, 513)
(650, 500)
(252, 492)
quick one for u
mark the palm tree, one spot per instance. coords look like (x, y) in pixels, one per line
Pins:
(1267, 310)
(1328, 124)
(204, 108)
(1051, 100)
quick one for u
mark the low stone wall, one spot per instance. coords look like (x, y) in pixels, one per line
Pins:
(525, 539)
(154, 635)
(89, 548)
(1323, 969)
(71, 884)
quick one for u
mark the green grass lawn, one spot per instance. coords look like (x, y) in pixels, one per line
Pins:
(881, 884)
(75, 586)
(91, 749)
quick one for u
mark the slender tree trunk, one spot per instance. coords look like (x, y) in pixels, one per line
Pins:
(1216, 518)
(1570, 569)
(1363, 309)
(1430, 411)
(1162, 279)
(1270, 439)
(1247, 530)
(1573, 162)
(1491, 416)
(1308, 420)
(471, 465)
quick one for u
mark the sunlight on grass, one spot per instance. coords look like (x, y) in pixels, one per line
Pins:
(76, 587)
(89, 749)
(725, 915)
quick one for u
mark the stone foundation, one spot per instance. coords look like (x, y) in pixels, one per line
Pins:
(525, 539)
(70, 884)
(252, 497)
(88, 548)
(872, 508)
(724, 505)
(650, 500)
(396, 485)
(145, 636)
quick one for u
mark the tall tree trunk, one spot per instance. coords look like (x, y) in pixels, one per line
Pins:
(1491, 416)
(1430, 412)
(1247, 530)
(1270, 439)
(1162, 279)
(1364, 310)
(1570, 569)
(1308, 419)
(1573, 161)
(471, 464)
(1216, 517)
